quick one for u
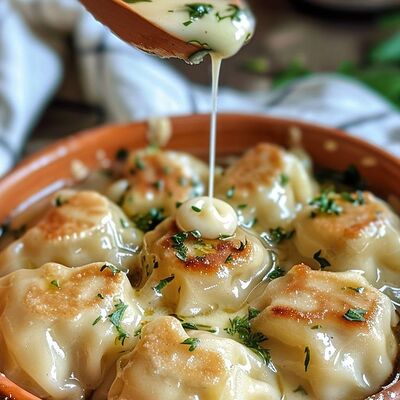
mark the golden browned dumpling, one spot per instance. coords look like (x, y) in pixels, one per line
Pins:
(159, 179)
(62, 328)
(79, 228)
(266, 186)
(352, 232)
(328, 333)
(191, 275)
(169, 364)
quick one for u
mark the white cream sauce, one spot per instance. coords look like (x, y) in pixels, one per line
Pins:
(218, 26)
(213, 218)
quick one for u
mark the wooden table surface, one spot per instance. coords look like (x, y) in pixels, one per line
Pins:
(286, 31)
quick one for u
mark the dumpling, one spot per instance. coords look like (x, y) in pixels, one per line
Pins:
(157, 179)
(167, 364)
(266, 186)
(328, 333)
(352, 232)
(62, 328)
(79, 228)
(190, 275)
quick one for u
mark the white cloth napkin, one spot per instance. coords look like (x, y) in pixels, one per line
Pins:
(130, 85)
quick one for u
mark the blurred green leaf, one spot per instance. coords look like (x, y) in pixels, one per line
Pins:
(296, 69)
(390, 21)
(257, 65)
(388, 51)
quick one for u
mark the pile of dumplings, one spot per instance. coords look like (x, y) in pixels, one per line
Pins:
(104, 297)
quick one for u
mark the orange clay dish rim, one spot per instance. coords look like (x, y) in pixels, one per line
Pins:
(85, 146)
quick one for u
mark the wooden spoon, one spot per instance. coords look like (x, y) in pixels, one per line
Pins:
(138, 31)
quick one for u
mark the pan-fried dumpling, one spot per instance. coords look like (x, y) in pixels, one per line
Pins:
(207, 367)
(328, 333)
(79, 228)
(62, 328)
(161, 180)
(190, 275)
(266, 186)
(353, 232)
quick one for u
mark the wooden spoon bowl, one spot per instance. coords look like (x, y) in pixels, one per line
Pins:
(51, 168)
(138, 31)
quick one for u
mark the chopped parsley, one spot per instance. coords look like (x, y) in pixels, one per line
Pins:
(147, 222)
(229, 259)
(355, 289)
(197, 11)
(283, 179)
(242, 206)
(124, 223)
(139, 164)
(240, 327)
(178, 243)
(323, 262)
(3, 229)
(121, 154)
(355, 315)
(164, 282)
(58, 201)
(278, 235)
(230, 192)
(55, 283)
(114, 270)
(325, 204)
(196, 209)
(357, 199)
(275, 273)
(116, 318)
(225, 237)
(192, 343)
(307, 358)
(234, 13)
(100, 296)
(198, 327)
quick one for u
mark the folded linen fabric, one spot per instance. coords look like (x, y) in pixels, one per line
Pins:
(130, 85)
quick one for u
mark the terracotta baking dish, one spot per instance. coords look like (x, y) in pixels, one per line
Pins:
(51, 168)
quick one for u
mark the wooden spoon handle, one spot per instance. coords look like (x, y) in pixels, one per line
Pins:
(136, 30)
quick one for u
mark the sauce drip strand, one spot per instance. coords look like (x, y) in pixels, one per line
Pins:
(220, 28)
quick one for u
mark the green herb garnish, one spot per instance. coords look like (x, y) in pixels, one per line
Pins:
(196, 209)
(277, 272)
(197, 11)
(114, 270)
(307, 358)
(192, 343)
(355, 315)
(323, 262)
(240, 327)
(164, 282)
(147, 222)
(278, 235)
(230, 192)
(356, 199)
(283, 179)
(325, 204)
(178, 243)
(234, 13)
(198, 327)
(55, 283)
(116, 318)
